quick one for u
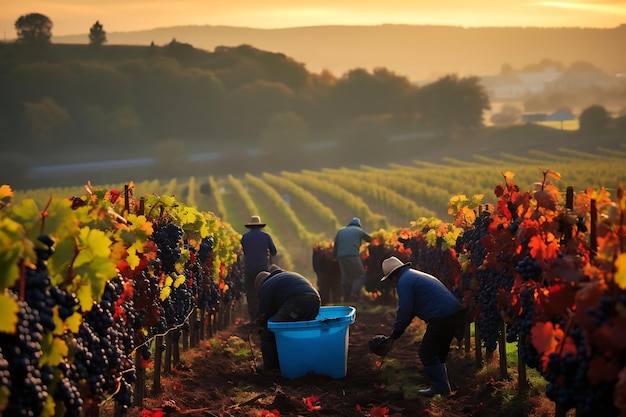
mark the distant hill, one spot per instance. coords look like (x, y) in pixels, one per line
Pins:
(418, 52)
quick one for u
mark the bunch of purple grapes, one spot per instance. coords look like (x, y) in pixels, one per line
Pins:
(29, 380)
(569, 387)
(167, 237)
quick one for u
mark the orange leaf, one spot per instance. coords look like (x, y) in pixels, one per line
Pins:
(379, 412)
(545, 336)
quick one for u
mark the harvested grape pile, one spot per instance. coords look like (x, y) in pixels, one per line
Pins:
(218, 379)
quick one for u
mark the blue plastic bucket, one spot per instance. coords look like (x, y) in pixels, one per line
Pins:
(317, 346)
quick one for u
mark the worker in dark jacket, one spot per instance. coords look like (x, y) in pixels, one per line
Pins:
(258, 250)
(283, 296)
(346, 249)
(423, 296)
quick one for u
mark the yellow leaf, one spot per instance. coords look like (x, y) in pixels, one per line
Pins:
(5, 191)
(509, 175)
(83, 293)
(73, 322)
(620, 275)
(132, 259)
(8, 311)
(165, 292)
(179, 280)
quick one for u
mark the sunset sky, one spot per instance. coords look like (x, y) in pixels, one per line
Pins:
(77, 16)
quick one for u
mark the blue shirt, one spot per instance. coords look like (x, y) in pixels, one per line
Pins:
(257, 246)
(348, 241)
(423, 296)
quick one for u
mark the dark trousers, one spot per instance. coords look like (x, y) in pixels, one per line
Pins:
(435, 344)
(251, 295)
(301, 308)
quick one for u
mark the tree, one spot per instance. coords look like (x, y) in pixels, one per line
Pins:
(452, 103)
(34, 28)
(594, 119)
(97, 35)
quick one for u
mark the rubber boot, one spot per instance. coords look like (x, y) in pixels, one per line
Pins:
(439, 381)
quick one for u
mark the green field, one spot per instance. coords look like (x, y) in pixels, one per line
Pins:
(303, 207)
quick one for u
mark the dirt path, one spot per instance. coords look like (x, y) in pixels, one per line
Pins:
(218, 379)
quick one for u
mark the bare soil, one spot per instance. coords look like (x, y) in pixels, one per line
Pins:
(219, 379)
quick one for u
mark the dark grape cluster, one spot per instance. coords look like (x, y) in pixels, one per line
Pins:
(103, 346)
(569, 387)
(206, 249)
(529, 269)
(520, 330)
(29, 379)
(167, 237)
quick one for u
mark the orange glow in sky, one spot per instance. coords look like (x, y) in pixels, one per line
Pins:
(77, 16)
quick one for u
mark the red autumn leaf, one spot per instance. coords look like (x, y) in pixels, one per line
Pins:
(557, 299)
(545, 337)
(611, 336)
(601, 370)
(311, 403)
(114, 195)
(503, 209)
(545, 200)
(588, 296)
(152, 413)
(543, 250)
(379, 412)
(177, 387)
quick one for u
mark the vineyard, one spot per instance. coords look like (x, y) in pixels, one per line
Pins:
(99, 281)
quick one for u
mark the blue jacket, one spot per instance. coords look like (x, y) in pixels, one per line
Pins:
(349, 238)
(258, 246)
(279, 287)
(423, 296)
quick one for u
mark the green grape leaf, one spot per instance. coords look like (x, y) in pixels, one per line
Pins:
(60, 219)
(53, 349)
(10, 233)
(92, 244)
(60, 263)
(97, 273)
(8, 311)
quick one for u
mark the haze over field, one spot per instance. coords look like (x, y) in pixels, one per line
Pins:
(76, 16)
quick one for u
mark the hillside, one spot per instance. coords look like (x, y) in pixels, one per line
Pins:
(418, 52)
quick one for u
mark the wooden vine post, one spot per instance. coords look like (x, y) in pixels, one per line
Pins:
(504, 372)
(158, 350)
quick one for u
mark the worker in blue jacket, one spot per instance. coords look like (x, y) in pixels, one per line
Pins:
(283, 296)
(258, 250)
(423, 296)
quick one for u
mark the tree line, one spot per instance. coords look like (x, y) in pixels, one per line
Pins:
(67, 94)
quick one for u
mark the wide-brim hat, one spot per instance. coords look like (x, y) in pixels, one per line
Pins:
(255, 221)
(390, 265)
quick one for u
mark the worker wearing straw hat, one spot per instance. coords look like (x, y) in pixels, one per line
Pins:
(424, 296)
(258, 250)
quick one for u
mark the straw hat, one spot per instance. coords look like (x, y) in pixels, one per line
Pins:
(390, 265)
(255, 221)
(261, 277)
